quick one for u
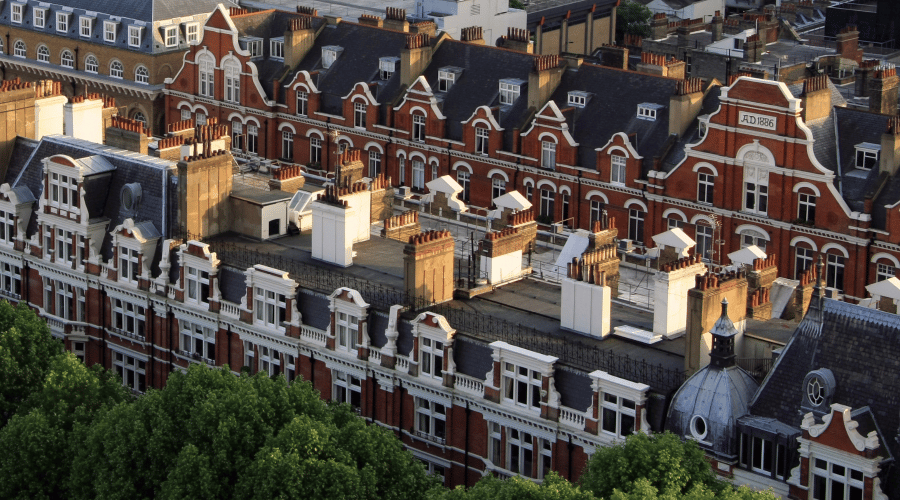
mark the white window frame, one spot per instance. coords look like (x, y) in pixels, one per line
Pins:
(196, 285)
(232, 72)
(617, 408)
(386, 67)
(431, 420)
(704, 235)
(431, 357)
(884, 271)
(287, 145)
(192, 33)
(464, 178)
(418, 127)
(345, 386)
(359, 114)
(545, 457)
(127, 366)
(577, 98)
(835, 267)
(91, 64)
(85, 26)
(276, 48)
(129, 262)
(829, 476)
(597, 207)
(482, 141)
(63, 241)
(109, 31)
(315, 150)
(129, 318)
(269, 308)
(39, 17)
(706, 183)
(636, 225)
(78, 349)
(252, 138)
(751, 237)
(509, 91)
(197, 339)
(346, 331)
(418, 174)
(207, 67)
(446, 79)
(67, 59)
(547, 206)
(269, 361)
(200, 118)
(237, 135)
(806, 206)
(756, 198)
(17, 12)
(255, 47)
(7, 227)
(548, 154)
(64, 192)
(374, 163)
(170, 36)
(498, 187)
(116, 69)
(43, 53)
(521, 385)
(302, 103)
(62, 22)
(11, 280)
(495, 443)
(803, 260)
(646, 112)
(134, 36)
(20, 49)
(141, 74)
(249, 356)
(519, 452)
(867, 156)
(617, 169)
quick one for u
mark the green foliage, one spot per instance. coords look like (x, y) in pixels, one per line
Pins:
(26, 348)
(661, 466)
(35, 453)
(489, 487)
(632, 18)
(516, 4)
(211, 434)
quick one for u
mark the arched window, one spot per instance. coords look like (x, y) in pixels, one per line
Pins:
(43, 54)
(19, 49)
(374, 163)
(141, 117)
(548, 199)
(834, 270)
(498, 186)
(617, 169)
(67, 60)
(207, 72)
(597, 208)
(756, 190)
(287, 145)
(463, 177)
(252, 138)
(704, 237)
(315, 150)
(237, 135)
(418, 174)
(749, 237)
(481, 141)
(302, 102)
(636, 224)
(418, 127)
(141, 75)
(803, 258)
(116, 70)
(359, 114)
(806, 206)
(548, 153)
(885, 269)
(705, 185)
(91, 64)
(232, 81)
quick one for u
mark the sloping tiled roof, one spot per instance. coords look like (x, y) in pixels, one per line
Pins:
(861, 347)
(605, 115)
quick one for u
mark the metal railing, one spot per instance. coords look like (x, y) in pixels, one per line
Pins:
(758, 367)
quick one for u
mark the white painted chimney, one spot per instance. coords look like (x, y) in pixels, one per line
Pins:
(84, 120)
(334, 228)
(49, 116)
(585, 302)
(670, 295)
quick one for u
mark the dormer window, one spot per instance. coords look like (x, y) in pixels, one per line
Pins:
(134, 36)
(253, 45)
(509, 91)
(7, 227)
(387, 66)
(63, 191)
(270, 309)
(109, 31)
(647, 111)
(129, 264)
(346, 331)
(40, 18)
(86, 24)
(62, 22)
(170, 35)
(192, 33)
(330, 53)
(522, 386)
(447, 77)
(867, 155)
(578, 98)
(17, 11)
(276, 48)
(196, 285)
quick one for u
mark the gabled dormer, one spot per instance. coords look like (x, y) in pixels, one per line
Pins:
(303, 94)
(71, 230)
(432, 354)
(270, 301)
(419, 115)
(549, 140)
(522, 380)
(16, 205)
(348, 331)
(447, 77)
(197, 285)
(360, 106)
(134, 247)
(482, 132)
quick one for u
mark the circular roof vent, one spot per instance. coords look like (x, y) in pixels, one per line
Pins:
(131, 198)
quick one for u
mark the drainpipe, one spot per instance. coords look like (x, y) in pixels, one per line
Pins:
(466, 461)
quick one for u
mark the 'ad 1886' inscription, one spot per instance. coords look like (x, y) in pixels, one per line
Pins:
(758, 121)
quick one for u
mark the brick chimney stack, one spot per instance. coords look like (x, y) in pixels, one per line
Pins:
(428, 267)
(544, 79)
(415, 57)
(298, 40)
(395, 19)
(889, 158)
(128, 134)
(518, 39)
(883, 90)
(717, 26)
(816, 98)
(204, 185)
(704, 308)
(848, 44)
(659, 26)
(685, 104)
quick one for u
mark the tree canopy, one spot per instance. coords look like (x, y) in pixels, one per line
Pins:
(632, 18)
(26, 350)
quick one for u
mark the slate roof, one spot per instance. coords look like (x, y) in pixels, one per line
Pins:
(147, 13)
(574, 388)
(479, 85)
(313, 308)
(232, 284)
(103, 194)
(845, 335)
(472, 358)
(711, 103)
(363, 47)
(603, 116)
(855, 126)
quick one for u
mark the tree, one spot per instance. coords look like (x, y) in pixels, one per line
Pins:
(632, 18)
(553, 487)
(35, 455)
(26, 348)
(658, 466)
(212, 434)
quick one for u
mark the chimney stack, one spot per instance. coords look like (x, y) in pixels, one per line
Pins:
(544, 79)
(472, 34)
(889, 158)
(670, 295)
(518, 39)
(415, 57)
(717, 26)
(334, 228)
(395, 19)
(816, 98)
(848, 44)
(659, 26)
(428, 267)
(685, 104)
(83, 118)
(883, 90)
(298, 40)
(704, 308)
